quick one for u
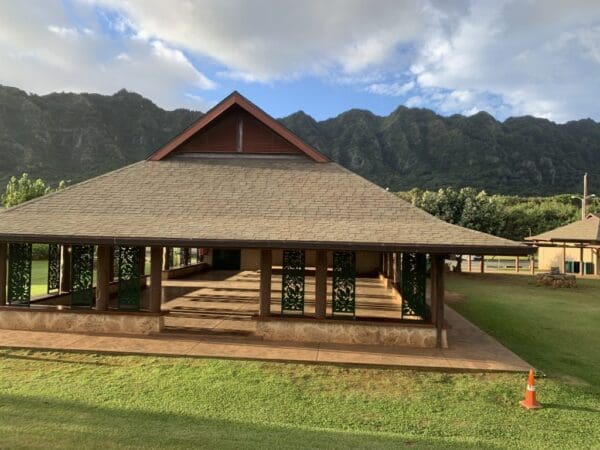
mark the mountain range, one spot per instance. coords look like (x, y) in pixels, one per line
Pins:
(77, 136)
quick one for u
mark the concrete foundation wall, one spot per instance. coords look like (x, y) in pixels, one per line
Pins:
(347, 332)
(31, 319)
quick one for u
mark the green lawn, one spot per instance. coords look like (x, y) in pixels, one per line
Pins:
(556, 330)
(39, 278)
(60, 400)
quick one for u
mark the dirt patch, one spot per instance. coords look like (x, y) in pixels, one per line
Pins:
(453, 297)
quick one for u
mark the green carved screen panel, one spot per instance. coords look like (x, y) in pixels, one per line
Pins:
(292, 282)
(344, 284)
(129, 291)
(19, 274)
(414, 277)
(82, 276)
(53, 268)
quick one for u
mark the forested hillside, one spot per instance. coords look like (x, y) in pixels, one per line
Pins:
(76, 136)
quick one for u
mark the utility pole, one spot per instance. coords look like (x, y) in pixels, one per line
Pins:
(585, 197)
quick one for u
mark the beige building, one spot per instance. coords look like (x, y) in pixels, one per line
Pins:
(573, 248)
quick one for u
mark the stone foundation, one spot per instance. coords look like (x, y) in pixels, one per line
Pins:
(349, 332)
(556, 280)
(88, 321)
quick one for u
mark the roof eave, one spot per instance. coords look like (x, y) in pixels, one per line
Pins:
(510, 250)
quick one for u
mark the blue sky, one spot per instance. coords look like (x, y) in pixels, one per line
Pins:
(506, 57)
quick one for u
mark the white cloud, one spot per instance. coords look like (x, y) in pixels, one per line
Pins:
(540, 58)
(38, 38)
(508, 57)
(268, 40)
(392, 89)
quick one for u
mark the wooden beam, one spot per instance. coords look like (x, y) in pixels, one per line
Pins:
(438, 263)
(321, 284)
(266, 261)
(581, 271)
(432, 289)
(65, 268)
(104, 277)
(482, 268)
(3, 258)
(517, 264)
(470, 263)
(156, 265)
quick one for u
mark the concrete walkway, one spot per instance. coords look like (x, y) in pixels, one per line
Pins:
(470, 349)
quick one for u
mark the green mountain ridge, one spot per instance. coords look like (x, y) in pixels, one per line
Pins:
(77, 136)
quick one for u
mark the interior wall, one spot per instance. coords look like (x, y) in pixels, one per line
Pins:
(366, 262)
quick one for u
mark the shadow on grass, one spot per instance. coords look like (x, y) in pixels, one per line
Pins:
(53, 423)
(9, 355)
(570, 407)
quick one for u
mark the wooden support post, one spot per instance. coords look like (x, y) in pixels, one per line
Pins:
(470, 262)
(266, 261)
(156, 265)
(65, 268)
(517, 264)
(532, 264)
(321, 284)
(104, 276)
(564, 261)
(482, 268)
(165, 264)
(581, 269)
(3, 258)
(398, 271)
(437, 297)
(432, 290)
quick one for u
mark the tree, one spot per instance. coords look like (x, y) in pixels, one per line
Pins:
(24, 189)
(465, 207)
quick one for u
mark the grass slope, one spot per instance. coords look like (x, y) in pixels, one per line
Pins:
(556, 330)
(56, 400)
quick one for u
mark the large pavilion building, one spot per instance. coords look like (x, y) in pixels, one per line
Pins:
(236, 191)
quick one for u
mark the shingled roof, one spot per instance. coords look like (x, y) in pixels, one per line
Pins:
(587, 230)
(238, 178)
(274, 202)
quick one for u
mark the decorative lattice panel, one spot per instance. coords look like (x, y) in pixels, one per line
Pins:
(129, 278)
(344, 284)
(414, 276)
(292, 289)
(19, 274)
(53, 268)
(82, 276)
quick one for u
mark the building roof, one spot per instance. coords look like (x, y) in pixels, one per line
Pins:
(273, 201)
(587, 230)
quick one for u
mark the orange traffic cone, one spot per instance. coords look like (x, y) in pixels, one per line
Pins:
(530, 401)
